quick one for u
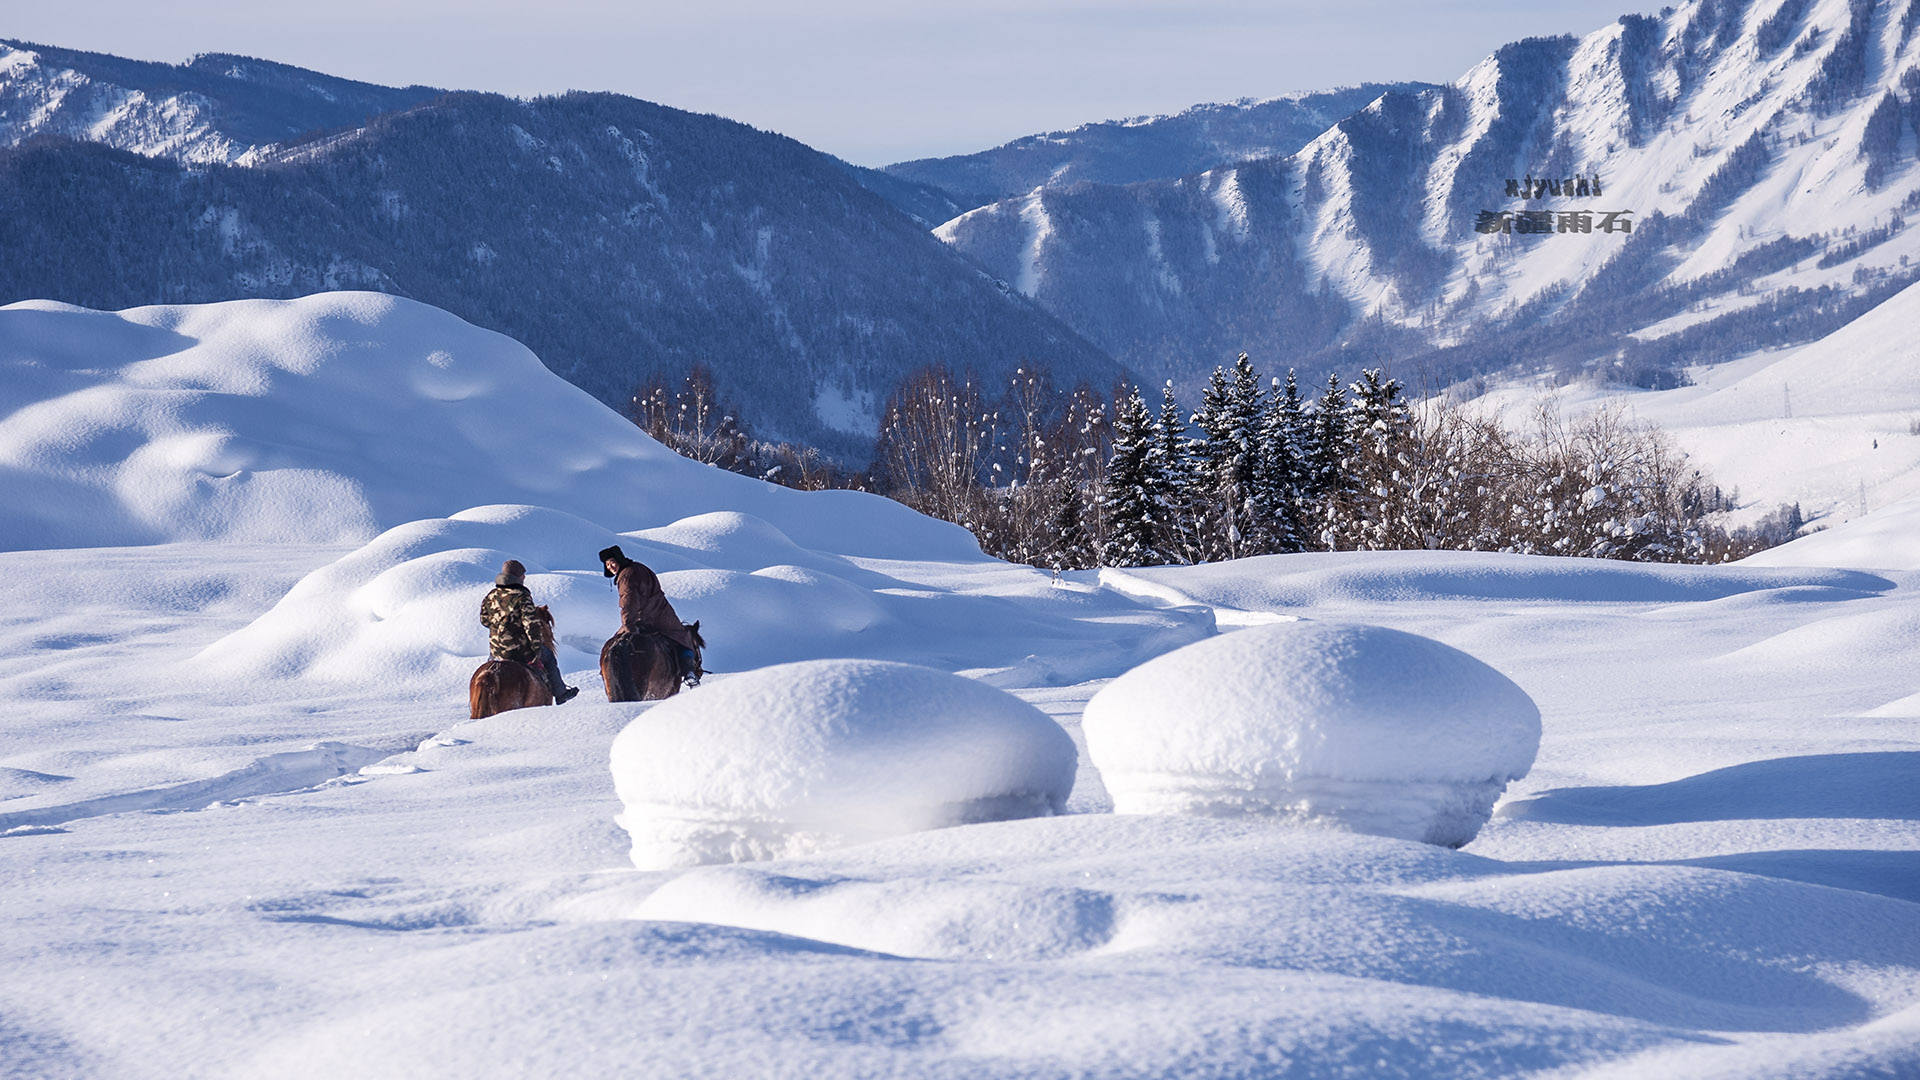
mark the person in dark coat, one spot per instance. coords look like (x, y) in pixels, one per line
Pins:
(644, 608)
(515, 628)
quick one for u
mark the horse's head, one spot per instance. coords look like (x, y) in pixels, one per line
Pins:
(693, 631)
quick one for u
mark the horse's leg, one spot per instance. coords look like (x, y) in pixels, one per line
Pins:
(536, 691)
(617, 661)
(661, 680)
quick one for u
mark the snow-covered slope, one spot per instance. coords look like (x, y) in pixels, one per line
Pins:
(213, 108)
(328, 420)
(1833, 426)
(334, 417)
(1887, 537)
(238, 790)
(1765, 150)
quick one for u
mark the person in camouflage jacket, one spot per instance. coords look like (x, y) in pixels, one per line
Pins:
(517, 628)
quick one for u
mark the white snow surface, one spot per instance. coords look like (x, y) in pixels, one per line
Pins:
(1886, 538)
(798, 758)
(1360, 727)
(295, 856)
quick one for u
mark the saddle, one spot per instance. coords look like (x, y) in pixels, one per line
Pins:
(686, 662)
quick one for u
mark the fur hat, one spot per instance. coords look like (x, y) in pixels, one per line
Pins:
(511, 573)
(616, 555)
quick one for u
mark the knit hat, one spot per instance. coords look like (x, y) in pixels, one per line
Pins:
(616, 555)
(511, 573)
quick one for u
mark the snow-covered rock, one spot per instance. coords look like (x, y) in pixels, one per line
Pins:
(1362, 727)
(798, 758)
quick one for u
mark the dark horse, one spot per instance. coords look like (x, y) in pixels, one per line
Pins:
(645, 666)
(499, 685)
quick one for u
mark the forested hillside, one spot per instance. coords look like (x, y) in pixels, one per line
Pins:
(620, 239)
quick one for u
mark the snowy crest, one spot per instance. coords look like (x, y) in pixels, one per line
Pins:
(797, 758)
(1361, 727)
(403, 611)
(330, 418)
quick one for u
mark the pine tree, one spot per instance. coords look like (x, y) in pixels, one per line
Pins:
(1329, 449)
(1170, 468)
(1131, 501)
(1380, 421)
(1239, 460)
(1067, 524)
(1209, 455)
(1280, 480)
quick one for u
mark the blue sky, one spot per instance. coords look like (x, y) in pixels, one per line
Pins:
(870, 80)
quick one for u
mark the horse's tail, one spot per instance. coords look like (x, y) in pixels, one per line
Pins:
(618, 669)
(483, 694)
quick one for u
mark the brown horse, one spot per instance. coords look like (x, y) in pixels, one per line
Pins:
(645, 666)
(499, 685)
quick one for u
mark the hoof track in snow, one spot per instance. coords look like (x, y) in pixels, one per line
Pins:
(275, 774)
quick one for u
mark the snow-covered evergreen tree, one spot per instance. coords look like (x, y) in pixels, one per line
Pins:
(1226, 459)
(1377, 515)
(1071, 549)
(1280, 481)
(1132, 503)
(1329, 449)
(1170, 470)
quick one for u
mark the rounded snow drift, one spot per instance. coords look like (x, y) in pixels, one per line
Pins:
(797, 758)
(1361, 727)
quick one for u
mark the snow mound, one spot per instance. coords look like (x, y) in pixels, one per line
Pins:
(1362, 727)
(403, 611)
(798, 758)
(1281, 583)
(332, 417)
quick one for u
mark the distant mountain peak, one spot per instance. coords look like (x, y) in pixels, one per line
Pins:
(215, 108)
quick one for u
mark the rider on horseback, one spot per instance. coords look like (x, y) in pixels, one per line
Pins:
(644, 608)
(517, 630)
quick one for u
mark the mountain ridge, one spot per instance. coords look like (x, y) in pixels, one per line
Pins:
(1756, 147)
(1130, 150)
(624, 241)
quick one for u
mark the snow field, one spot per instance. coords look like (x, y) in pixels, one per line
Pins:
(1712, 869)
(796, 758)
(1361, 727)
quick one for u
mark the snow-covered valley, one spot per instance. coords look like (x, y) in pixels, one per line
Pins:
(247, 830)
(1833, 426)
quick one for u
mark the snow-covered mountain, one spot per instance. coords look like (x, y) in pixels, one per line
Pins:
(1762, 150)
(1144, 147)
(213, 108)
(620, 239)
